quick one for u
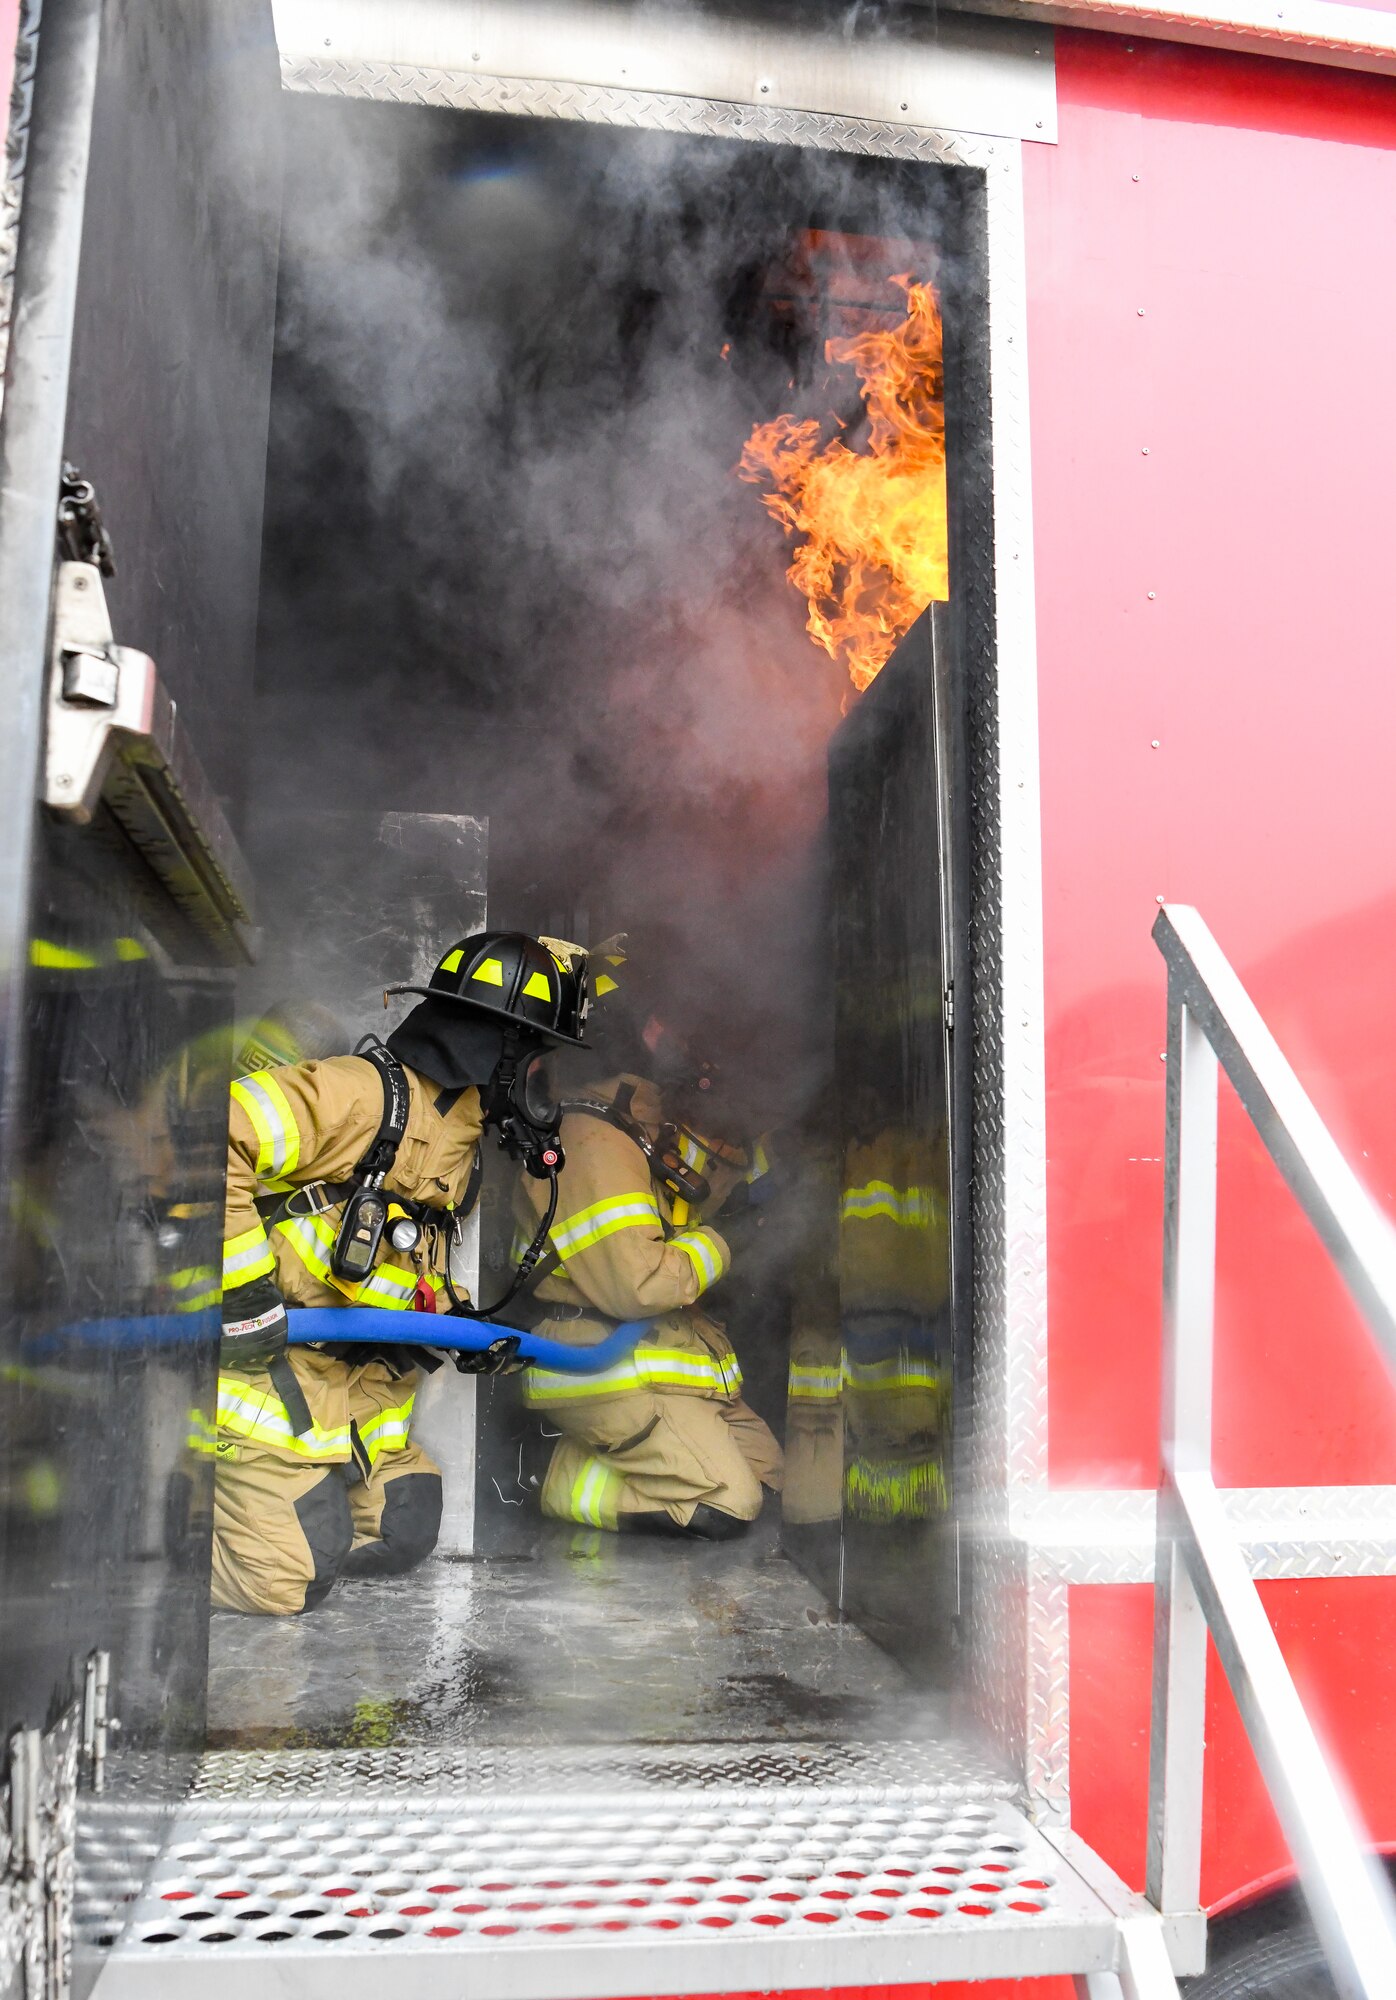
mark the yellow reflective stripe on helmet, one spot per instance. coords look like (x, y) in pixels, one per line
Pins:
(604, 985)
(388, 1431)
(700, 1247)
(451, 962)
(815, 1382)
(604, 1218)
(490, 972)
(195, 1289)
(274, 1122)
(648, 1368)
(595, 1495)
(259, 1415)
(247, 1257)
(536, 987)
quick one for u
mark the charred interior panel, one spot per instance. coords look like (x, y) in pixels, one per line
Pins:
(114, 1158)
(892, 1159)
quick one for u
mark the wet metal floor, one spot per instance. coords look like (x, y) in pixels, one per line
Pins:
(587, 1639)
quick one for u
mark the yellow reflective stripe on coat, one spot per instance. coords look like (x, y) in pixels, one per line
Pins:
(311, 1238)
(701, 1249)
(274, 1122)
(202, 1436)
(194, 1290)
(648, 1368)
(603, 1219)
(895, 1374)
(246, 1257)
(595, 1495)
(259, 1415)
(891, 1492)
(909, 1208)
(388, 1431)
(815, 1382)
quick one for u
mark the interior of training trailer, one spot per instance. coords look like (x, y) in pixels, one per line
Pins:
(528, 654)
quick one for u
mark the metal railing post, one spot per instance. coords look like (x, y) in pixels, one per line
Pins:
(1202, 1581)
(1185, 1424)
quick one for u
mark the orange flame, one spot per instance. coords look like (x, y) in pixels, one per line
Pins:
(874, 552)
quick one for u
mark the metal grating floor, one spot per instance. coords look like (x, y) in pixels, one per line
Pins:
(537, 1896)
(532, 1779)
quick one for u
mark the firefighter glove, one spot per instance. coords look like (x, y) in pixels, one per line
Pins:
(501, 1357)
(254, 1326)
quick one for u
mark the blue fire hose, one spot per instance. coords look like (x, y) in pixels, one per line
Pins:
(452, 1333)
(367, 1324)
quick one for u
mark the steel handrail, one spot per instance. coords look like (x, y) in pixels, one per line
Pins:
(1202, 1581)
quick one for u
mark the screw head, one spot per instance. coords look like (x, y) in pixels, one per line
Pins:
(63, 779)
(1152, 595)
(1144, 449)
(1154, 744)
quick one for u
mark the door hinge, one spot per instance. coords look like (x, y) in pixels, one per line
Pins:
(97, 1721)
(38, 1842)
(949, 999)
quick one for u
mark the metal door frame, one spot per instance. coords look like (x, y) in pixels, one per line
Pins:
(1019, 1630)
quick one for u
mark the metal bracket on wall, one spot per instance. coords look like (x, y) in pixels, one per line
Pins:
(114, 738)
(37, 1845)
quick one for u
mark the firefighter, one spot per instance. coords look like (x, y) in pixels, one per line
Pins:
(318, 1475)
(661, 1443)
(894, 1257)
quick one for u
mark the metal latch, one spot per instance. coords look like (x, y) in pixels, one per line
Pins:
(114, 738)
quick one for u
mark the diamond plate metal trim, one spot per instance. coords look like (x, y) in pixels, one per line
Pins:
(1284, 1531)
(16, 160)
(1018, 1640)
(948, 1769)
(1018, 1637)
(541, 1898)
(594, 104)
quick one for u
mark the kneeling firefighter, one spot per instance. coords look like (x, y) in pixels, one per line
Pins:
(661, 1443)
(346, 1181)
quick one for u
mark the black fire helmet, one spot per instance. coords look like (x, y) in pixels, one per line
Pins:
(515, 978)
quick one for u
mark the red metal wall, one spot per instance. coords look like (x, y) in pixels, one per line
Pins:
(1211, 305)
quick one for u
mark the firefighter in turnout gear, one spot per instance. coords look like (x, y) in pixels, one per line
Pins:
(345, 1181)
(894, 1256)
(661, 1442)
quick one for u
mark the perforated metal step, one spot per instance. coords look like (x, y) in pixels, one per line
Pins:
(663, 1887)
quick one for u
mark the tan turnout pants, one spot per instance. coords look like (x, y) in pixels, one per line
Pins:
(286, 1528)
(655, 1452)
